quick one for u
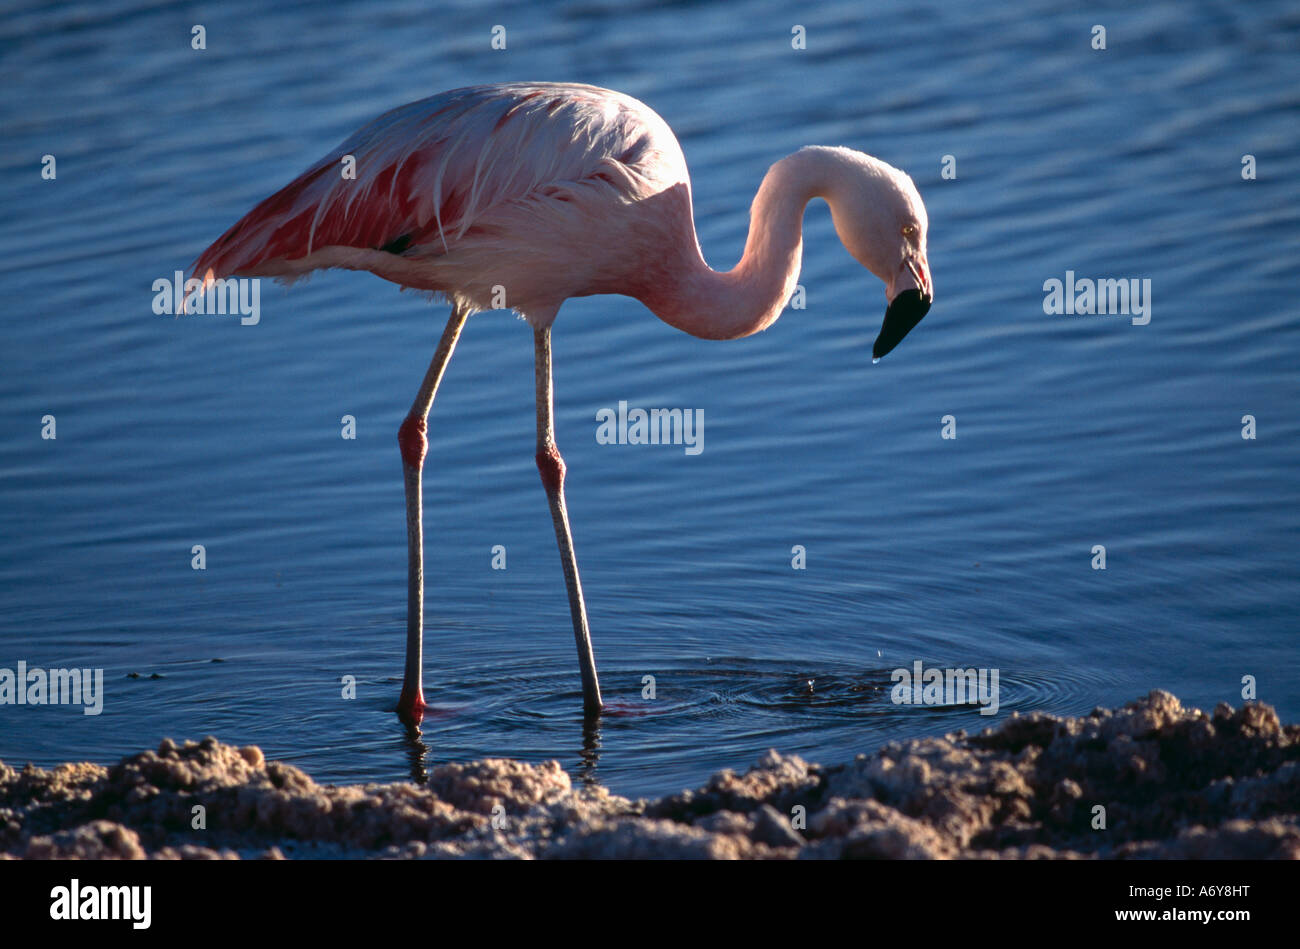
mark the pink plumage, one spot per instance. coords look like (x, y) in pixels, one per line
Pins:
(507, 172)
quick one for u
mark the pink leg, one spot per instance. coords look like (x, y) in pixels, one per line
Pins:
(551, 467)
(411, 439)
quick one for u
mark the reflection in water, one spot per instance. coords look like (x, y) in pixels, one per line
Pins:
(416, 752)
(590, 755)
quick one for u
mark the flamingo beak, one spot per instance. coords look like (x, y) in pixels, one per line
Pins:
(910, 303)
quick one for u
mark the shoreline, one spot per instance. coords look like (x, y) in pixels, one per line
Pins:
(1149, 780)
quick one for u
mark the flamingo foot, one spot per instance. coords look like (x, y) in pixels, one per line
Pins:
(411, 706)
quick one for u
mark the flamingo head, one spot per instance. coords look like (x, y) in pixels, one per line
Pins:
(881, 220)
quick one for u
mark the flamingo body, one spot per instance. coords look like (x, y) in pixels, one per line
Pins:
(480, 188)
(522, 195)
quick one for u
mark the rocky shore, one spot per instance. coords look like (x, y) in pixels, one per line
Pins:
(1150, 780)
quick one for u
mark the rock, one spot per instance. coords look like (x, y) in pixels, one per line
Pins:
(96, 840)
(1171, 783)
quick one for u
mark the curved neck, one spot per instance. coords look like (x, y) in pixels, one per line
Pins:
(728, 305)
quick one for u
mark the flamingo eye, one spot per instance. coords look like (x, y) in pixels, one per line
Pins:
(909, 230)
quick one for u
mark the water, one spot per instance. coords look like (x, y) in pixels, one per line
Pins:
(974, 551)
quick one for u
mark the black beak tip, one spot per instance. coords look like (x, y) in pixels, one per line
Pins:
(904, 312)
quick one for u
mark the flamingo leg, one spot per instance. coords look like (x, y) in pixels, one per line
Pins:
(551, 467)
(411, 438)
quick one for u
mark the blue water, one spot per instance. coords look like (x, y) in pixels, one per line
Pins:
(1072, 431)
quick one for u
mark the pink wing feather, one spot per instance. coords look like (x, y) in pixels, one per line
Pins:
(425, 172)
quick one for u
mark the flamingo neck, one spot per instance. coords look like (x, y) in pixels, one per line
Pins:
(748, 298)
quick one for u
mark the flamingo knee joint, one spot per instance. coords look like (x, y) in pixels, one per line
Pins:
(551, 466)
(410, 437)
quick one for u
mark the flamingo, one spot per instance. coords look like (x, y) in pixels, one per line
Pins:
(522, 195)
